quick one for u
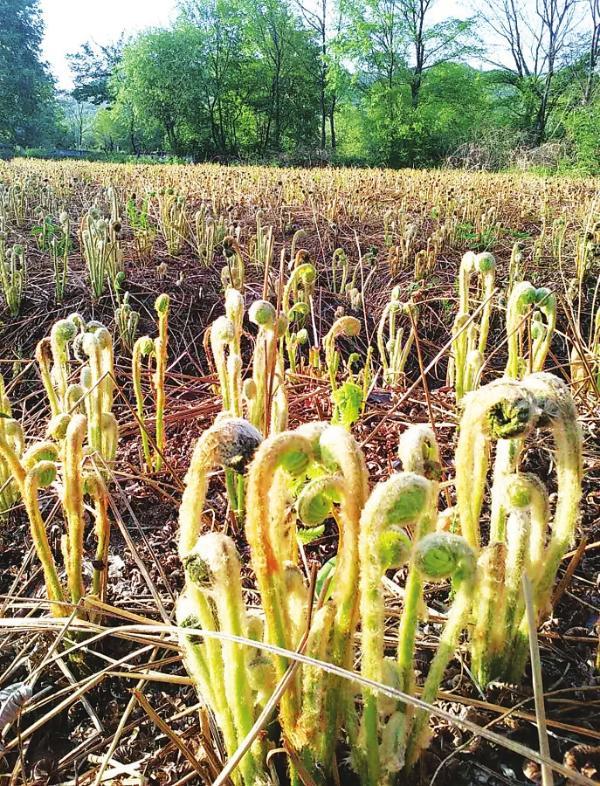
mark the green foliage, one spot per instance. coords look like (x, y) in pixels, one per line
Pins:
(347, 404)
(92, 68)
(161, 79)
(217, 87)
(467, 235)
(45, 232)
(583, 131)
(27, 108)
(326, 574)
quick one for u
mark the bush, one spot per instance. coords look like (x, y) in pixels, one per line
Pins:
(583, 132)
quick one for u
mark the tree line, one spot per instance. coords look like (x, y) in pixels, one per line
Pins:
(378, 82)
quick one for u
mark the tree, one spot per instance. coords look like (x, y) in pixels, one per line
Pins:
(396, 44)
(121, 127)
(374, 36)
(282, 60)
(593, 57)
(219, 41)
(93, 67)
(78, 117)
(432, 44)
(27, 106)
(540, 43)
(317, 19)
(162, 74)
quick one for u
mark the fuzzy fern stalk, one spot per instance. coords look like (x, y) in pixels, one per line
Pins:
(403, 500)
(261, 244)
(506, 462)
(515, 267)
(225, 340)
(204, 659)
(172, 219)
(43, 357)
(488, 640)
(72, 501)
(127, 322)
(222, 336)
(42, 474)
(160, 347)
(97, 379)
(343, 326)
(139, 221)
(210, 232)
(10, 453)
(440, 556)
(340, 267)
(213, 567)
(418, 452)
(469, 338)
(59, 253)
(394, 342)
(585, 362)
(115, 256)
(501, 410)
(34, 470)
(559, 417)
(143, 347)
(53, 356)
(212, 599)
(519, 495)
(61, 335)
(103, 255)
(230, 443)
(290, 452)
(595, 351)
(579, 363)
(258, 391)
(324, 697)
(95, 487)
(234, 273)
(301, 283)
(279, 399)
(146, 347)
(225, 336)
(299, 234)
(11, 435)
(295, 305)
(296, 335)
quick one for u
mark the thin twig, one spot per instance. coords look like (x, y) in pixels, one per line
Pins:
(538, 685)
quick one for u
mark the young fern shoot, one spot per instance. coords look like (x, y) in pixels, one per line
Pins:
(146, 347)
(395, 341)
(470, 336)
(522, 540)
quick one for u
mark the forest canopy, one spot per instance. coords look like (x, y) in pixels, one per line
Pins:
(377, 82)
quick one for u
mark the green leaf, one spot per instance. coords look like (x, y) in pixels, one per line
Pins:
(326, 573)
(347, 401)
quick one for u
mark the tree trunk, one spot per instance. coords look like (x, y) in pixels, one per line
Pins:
(332, 123)
(415, 90)
(323, 109)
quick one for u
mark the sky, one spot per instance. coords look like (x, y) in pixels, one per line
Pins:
(70, 23)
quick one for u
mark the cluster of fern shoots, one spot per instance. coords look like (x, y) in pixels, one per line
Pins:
(317, 473)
